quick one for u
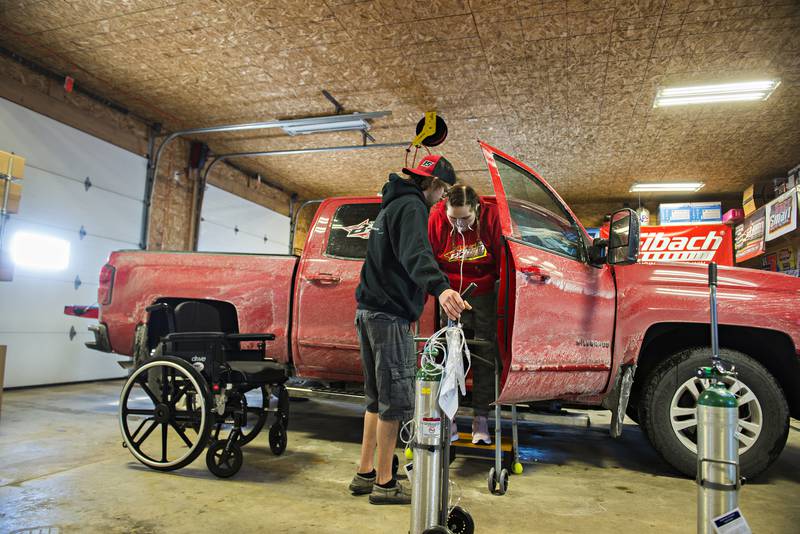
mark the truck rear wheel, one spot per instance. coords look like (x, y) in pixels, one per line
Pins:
(669, 410)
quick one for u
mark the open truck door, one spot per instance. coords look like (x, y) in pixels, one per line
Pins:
(556, 308)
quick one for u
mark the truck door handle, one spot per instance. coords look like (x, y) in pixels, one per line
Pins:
(535, 272)
(326, 279)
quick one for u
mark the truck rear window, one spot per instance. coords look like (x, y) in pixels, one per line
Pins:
(350, 230)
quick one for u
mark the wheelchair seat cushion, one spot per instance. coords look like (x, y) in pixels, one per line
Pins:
(259, 372)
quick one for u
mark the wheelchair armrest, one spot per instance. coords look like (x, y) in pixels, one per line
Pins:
(250, 337)
(193, 336)
(156, 307)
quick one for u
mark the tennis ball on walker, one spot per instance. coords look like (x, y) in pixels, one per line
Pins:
(409, 454)
(516, 468)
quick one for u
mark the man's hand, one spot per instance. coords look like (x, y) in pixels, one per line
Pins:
(453, 304)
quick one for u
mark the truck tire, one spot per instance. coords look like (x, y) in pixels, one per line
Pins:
(669, 404)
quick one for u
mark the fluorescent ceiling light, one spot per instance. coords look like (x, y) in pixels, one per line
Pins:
(40, 252)
(334, 123)
(682, 187)
(725, 92)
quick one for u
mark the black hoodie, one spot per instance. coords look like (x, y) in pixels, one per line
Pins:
(400, 266)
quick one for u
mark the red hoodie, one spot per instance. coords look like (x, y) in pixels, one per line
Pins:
(482, 255)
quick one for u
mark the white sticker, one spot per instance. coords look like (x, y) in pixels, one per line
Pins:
(430, 427)
(732, 522)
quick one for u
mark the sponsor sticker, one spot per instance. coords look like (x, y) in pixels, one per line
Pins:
(782, 215)
(750, 236)
(360, 230)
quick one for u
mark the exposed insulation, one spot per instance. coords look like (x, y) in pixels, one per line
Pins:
(567, 86)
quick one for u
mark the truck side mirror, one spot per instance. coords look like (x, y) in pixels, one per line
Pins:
(623, 238)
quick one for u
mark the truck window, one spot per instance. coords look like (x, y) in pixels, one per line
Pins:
(538, 219)
(350, 230)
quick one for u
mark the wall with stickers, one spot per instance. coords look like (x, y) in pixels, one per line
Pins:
(767, 238)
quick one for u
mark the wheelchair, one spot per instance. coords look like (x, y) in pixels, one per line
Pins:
(203, 391)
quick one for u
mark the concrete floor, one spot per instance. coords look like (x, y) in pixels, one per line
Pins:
(62, 466)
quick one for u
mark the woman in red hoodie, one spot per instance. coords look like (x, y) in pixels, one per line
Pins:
(465, 236)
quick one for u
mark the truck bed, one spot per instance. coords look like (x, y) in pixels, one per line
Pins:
(258, 286)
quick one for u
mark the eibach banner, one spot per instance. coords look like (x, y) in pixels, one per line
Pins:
(686, 244)
(750, 236)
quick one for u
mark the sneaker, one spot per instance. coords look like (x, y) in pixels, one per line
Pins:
(361, 485)
(480, 430)
(399, 494)
(453, 432)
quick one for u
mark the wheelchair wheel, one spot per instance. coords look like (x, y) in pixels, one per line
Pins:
(254, 403)
(224, 460)
(164, 413)
(278, 439)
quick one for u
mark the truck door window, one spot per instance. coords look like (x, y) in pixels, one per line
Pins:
(538, 219)
(350, 230)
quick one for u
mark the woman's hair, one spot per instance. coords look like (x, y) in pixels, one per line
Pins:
(463, 195)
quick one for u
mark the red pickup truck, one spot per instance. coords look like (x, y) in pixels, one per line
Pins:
(577, 322)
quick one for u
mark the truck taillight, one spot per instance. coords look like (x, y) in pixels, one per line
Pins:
(106, 284)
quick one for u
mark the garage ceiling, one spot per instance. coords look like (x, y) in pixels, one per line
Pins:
(567, 86)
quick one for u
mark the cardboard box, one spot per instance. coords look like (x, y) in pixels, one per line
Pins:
(14, 196)
(689, 213)
(17, 164)
(749, 201)
(735, 215)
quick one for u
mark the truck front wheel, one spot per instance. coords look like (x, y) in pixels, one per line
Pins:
(669, 414)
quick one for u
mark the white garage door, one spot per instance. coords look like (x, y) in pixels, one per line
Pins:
(229, 223)
(87, 195)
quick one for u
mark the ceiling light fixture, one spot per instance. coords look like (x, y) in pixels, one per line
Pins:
(681, 187)
(725, 92)
(333, 123)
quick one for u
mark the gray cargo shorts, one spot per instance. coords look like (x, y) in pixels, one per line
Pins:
(389, 359)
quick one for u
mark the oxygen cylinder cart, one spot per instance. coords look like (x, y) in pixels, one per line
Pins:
(430, 490)
(718, 479)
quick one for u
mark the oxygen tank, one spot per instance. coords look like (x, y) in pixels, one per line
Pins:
(718, 480)
(426, 475)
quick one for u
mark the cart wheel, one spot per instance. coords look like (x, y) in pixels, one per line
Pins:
(165, 414)
(502, 486)
(395, 465)
(277, 439)
(460, 522)
(409, 452)
(492, 480)
(224, 460)
(517, 468)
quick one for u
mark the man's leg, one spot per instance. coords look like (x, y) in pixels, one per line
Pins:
(369, 441)
(365, 477)
(395, 357)
(387, 441)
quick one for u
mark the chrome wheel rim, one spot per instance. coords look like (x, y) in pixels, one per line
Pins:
(683, 412)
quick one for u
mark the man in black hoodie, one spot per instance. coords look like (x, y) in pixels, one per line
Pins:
(399, 270)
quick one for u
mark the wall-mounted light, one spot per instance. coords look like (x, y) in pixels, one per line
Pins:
(39, 252)
(677, 187)
(724, 92)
